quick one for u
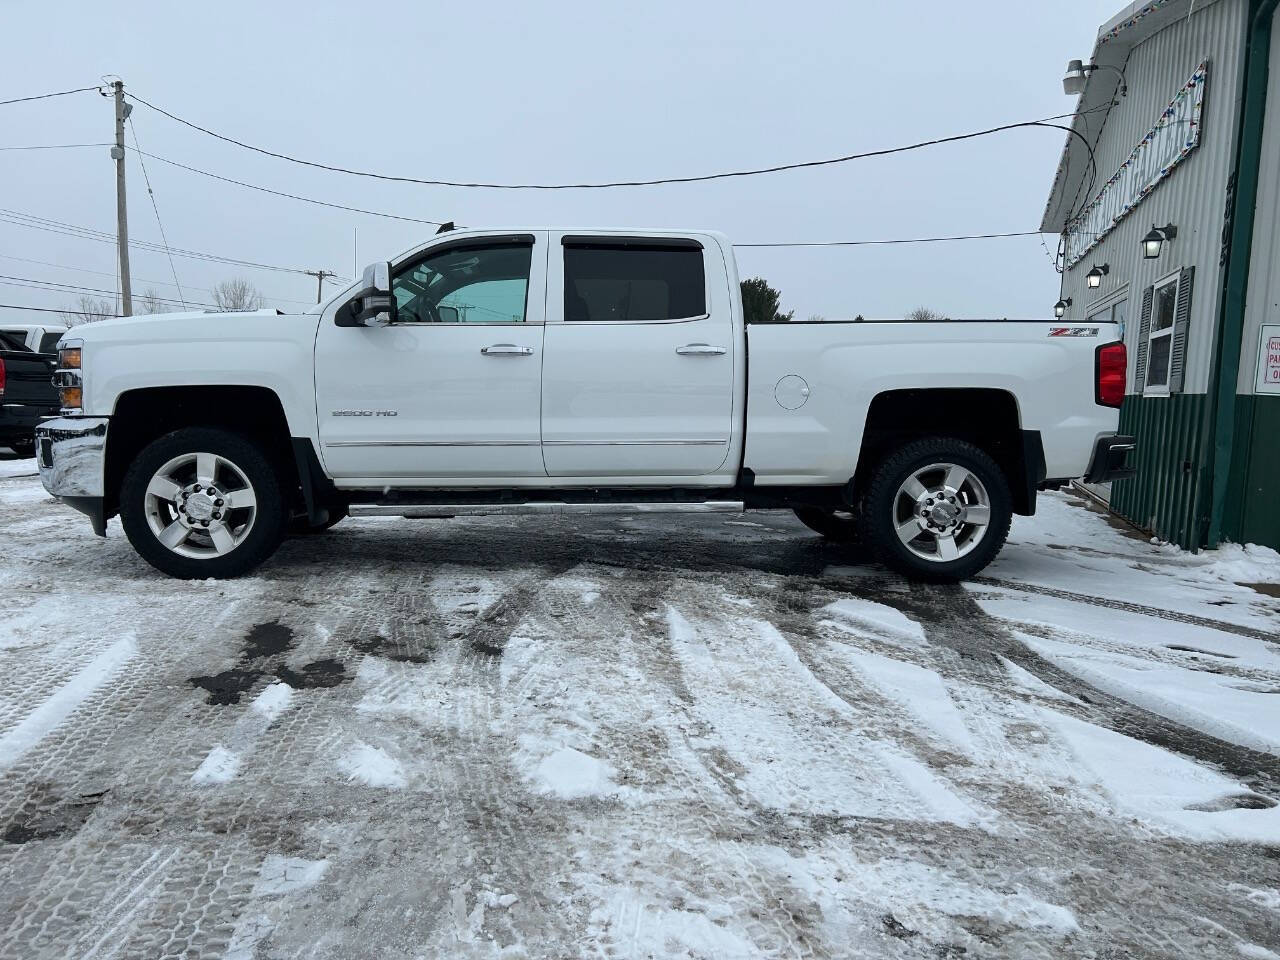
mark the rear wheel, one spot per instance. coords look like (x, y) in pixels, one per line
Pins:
(201, 502)
(24, 448)
(838, 524)
(937, 510)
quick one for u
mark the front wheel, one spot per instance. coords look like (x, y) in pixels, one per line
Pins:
(201, 502)
(937, 510)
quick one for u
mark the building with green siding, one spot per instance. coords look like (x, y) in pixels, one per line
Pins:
(1167, 205)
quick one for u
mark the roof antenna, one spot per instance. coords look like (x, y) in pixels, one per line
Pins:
(445, 228)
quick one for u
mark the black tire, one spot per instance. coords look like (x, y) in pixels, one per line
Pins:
(23, 448)
(838, 526)
(262, 537)
(879, 517)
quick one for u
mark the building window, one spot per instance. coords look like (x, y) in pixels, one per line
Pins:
(1113, 312)
(1160, 336)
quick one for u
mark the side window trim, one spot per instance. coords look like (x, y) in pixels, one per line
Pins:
(463, 243)
(613, 241)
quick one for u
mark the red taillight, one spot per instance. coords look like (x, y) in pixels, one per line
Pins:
(1110, 374)
(2, 376)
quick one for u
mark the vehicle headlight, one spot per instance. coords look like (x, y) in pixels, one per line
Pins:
(69, 377)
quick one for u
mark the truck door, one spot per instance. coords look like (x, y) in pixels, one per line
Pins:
(639, 359)
(452, 389)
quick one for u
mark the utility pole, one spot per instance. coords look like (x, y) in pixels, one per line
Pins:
(122, 215)
(319, 275)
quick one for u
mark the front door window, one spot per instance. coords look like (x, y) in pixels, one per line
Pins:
(469, 284)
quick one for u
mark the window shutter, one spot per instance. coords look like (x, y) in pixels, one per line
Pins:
(1181, 320)
(1144, 329)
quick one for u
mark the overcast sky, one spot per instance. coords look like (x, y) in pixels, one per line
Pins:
(562, 91)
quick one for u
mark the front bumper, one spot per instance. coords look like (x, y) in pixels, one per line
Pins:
(1108, 461)
(71, 456)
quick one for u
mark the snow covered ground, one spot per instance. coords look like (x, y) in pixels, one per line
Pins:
(659, 737)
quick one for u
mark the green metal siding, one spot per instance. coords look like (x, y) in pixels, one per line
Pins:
(1166, 497)
(1258, 426)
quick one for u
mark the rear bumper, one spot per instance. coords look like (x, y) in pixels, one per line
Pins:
(18, 421)
(1108, 463)
(71, 456)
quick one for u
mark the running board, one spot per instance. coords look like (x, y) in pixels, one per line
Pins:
(443, 511)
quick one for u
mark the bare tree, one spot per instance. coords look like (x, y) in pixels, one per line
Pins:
(89, 310)
(924, 315)
(150, 302)
(237, 294)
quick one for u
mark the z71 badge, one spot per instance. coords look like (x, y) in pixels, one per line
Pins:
(366, 413)
(1073, 331)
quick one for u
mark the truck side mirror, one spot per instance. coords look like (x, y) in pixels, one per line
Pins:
(374, 305)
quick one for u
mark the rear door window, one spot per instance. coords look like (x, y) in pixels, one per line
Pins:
(633, 283)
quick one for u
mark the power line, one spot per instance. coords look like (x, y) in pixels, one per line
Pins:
(55, 286)
(291, 196)
(56, 146)
(778, 168)
(865, 243)
(46, 96)
(151, 193)
(112, 274)
(101, 273)
(88, 233)
(20, 306)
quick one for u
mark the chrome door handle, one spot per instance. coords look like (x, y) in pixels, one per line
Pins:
(506, 350)
(700, 350)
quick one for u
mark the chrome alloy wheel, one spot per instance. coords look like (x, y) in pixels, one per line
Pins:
(200, 505)
(941, 512)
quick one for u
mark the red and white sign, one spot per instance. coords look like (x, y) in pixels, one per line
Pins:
(1269, 359)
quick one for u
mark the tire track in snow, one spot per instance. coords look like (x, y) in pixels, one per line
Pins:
(953, 618)
(1266, 636)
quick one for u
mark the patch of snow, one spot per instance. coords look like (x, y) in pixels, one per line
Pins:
(1236, 563)
(570, 773)
(281, 875)
(19, 468)
(1122, 627)
(274, 700)
(1163, 789)
(1256, 952)
(65, 701)
(801, 746)
(918, 690)
(590, 596)
(1268, 899)
(1028, 682)
(1209, 702)
(923, 898)
(635, 927)
(220, 766)
(875, 618)
(936, 796)
(372, 766)
(1071, 547)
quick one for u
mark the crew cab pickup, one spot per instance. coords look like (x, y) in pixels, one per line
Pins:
(554, 372)
(27, 396)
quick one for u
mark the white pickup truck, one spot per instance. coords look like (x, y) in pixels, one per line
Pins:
(556, 372)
